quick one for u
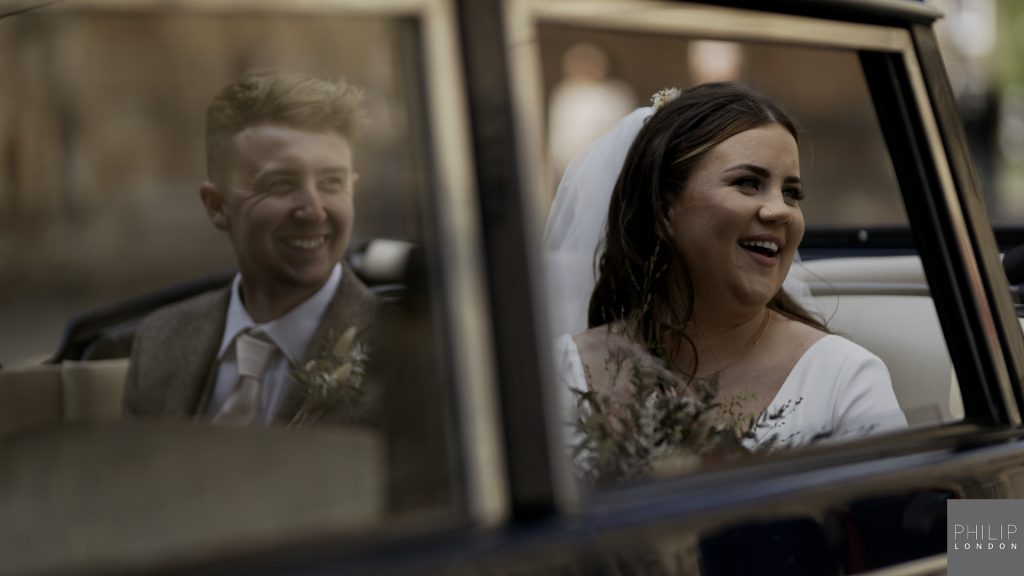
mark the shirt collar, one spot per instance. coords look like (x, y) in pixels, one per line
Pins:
(291, 332)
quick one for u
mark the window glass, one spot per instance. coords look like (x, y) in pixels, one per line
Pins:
(979, 49)
(605, 74)
(109, 214)
(103, 150)
(802, 536)
(635, 414)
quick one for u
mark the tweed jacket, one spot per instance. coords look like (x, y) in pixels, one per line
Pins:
(174, 355)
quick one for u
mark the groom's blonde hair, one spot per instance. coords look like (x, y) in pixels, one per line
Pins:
(290, 99)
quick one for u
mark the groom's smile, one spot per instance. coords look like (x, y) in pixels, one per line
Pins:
(288, 206)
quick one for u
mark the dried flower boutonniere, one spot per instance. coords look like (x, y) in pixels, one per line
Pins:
(332, 378)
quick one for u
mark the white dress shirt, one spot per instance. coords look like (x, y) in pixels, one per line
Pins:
(291, 334)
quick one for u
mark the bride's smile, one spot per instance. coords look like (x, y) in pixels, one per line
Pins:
(738, 222)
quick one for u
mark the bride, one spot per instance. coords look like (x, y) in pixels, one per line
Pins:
(693, 233)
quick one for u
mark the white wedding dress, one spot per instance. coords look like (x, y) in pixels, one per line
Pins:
(837, 390)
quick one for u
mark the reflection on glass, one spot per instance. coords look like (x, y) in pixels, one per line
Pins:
(318, 360)
(856, 535)
(688, 329)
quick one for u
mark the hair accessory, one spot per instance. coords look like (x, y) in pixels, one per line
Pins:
(664, 96)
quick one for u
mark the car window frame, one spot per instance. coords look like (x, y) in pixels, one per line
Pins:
(452, 224)
(905, 79)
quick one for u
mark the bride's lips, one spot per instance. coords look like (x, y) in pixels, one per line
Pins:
(765, 249)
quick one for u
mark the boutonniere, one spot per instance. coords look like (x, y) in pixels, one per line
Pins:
(334, 377)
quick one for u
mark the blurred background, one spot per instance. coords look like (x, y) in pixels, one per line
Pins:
(848, 178)
(101, 123)
(981, 41)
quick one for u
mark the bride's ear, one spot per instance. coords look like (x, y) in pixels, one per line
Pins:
(667, 228)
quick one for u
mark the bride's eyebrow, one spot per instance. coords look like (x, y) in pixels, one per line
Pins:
(762, 172)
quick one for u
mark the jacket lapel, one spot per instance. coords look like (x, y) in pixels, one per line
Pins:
(196, 359)
(353, 304)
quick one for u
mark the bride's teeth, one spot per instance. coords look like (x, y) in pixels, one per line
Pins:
(766, 244)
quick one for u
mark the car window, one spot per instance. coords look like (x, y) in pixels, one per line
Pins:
(106, 220)
(590, 69)
(118, 148)
(834, 110)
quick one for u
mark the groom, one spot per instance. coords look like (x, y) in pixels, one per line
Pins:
(280, 186)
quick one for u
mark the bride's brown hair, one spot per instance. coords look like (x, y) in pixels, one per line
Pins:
(644, 280)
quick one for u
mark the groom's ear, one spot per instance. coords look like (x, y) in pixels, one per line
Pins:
(213, 201)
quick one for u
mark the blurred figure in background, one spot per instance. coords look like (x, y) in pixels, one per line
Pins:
(714, 61)
(585, 104)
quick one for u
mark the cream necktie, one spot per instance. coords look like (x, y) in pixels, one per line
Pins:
(243, 404)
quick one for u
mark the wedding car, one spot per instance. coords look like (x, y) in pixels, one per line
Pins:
(101, 116)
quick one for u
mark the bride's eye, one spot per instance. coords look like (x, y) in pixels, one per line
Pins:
(748, 182)
(794, 194)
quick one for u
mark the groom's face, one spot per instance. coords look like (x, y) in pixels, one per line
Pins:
(286, 203)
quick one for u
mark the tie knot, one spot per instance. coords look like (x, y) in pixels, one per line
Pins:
(253, 354)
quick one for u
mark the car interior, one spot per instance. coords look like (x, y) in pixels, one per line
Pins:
(883, 304)
(84, 379)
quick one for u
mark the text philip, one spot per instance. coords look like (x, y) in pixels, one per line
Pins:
(984, 536)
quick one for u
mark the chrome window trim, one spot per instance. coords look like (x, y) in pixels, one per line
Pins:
(961, 235)
(458, 229)
(383, 8)
(868, 289)
(930, 566)
(461, 241)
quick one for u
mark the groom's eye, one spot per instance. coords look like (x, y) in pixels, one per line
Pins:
(333, 182)
(280, 185)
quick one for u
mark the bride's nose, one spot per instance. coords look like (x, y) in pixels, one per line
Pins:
(775, 210)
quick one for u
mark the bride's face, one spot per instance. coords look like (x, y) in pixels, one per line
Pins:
(738, 220)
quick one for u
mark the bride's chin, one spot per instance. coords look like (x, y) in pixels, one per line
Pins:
(757, 297)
